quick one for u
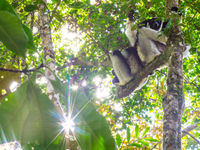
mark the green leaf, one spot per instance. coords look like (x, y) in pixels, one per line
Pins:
(30, 8)
(26, 116)
(92, 130)
(145, 131)
(58, 86)
(136, 145)
(151, 139)
(128, 134)
(67, 1)
(58, 17)
(55, 1)
(143, 142)
(118, 140)
(5, 6)
(30, 37)
(136, 131)
(12, 33)
(77, 5)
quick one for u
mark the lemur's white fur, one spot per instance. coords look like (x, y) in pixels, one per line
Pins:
(122, 70)
(126, 64)
(150, 42)
(127, 67)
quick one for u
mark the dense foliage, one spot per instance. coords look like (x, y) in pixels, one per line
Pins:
(84, 34)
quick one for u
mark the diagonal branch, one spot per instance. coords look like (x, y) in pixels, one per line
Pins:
(24, 70)
(192, 136)
(184, 132)
(189, 128)
(123, 91)
(54, 11)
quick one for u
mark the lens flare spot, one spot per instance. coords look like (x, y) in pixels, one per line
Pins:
(68, 125)
(13, 86)
(74, 87)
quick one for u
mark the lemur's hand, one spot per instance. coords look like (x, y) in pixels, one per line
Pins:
(175, 9)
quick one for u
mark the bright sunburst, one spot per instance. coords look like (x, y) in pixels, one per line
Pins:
(68, 125)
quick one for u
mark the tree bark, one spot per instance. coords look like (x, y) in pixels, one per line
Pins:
(48, 50)
(49, 55)
(173, 103)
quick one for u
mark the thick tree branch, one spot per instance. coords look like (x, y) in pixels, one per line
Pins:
(123, 91)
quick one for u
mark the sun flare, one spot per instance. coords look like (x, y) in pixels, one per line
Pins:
(68, 125)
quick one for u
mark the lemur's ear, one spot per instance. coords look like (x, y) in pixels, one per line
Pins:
(130, 14)
(175, 9)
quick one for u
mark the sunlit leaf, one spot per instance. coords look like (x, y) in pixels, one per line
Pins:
(92, 129)
(151, 139)
(145, 131)
(143, 142)
(7, 78)
(128, 134)
(136, 131)
(136, 145)
(26, 116)
(59, 87)
(118, 140)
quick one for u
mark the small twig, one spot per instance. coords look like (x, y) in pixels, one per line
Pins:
(154, 100)
(98, 43)
(161, 72)
(184, 132)
(187, 81)
(192, 136)
(58, 3)
(156, 144)
(127, 111)
(192, 6)
(32, 19)
(24, 70)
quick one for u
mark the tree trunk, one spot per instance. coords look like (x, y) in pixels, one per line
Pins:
(49, 55)
(48, 50)
(173, 103)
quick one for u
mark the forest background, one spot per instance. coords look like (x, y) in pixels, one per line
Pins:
(55, 69)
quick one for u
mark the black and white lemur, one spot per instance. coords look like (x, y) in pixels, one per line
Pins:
(147, 42)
